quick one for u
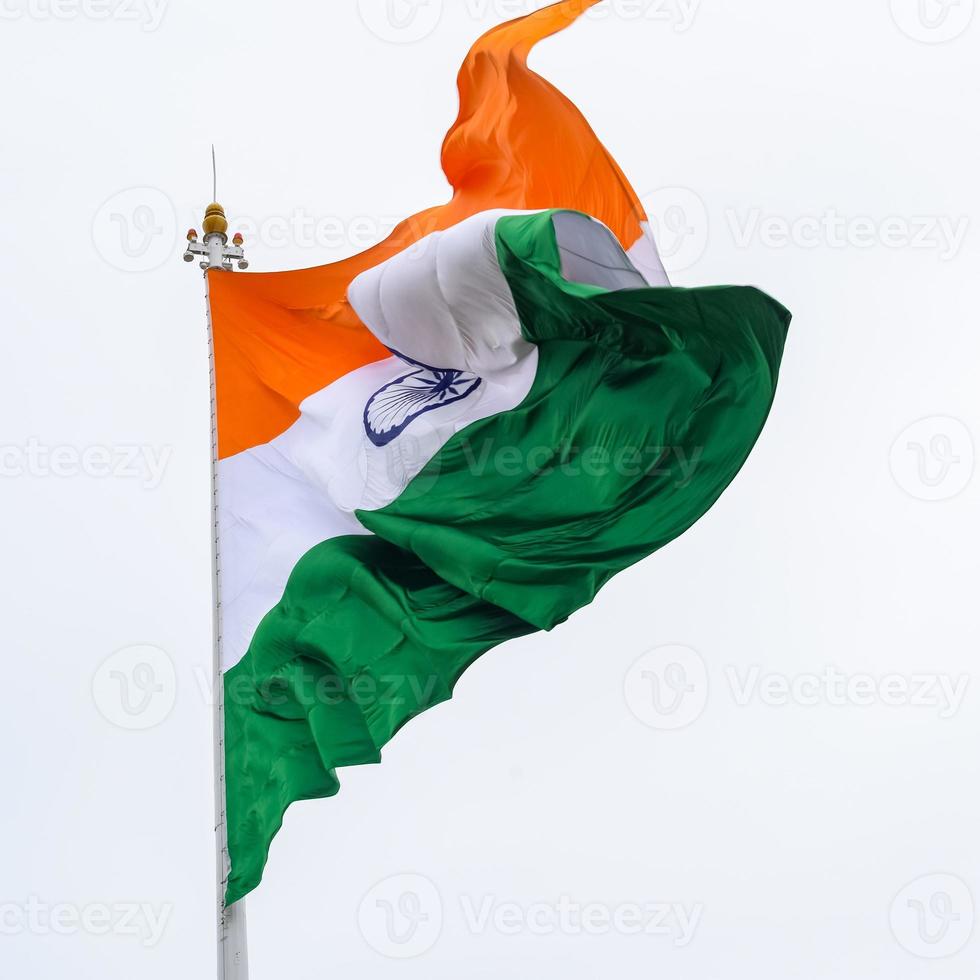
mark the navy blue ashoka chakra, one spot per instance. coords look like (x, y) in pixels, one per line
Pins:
(392, 408)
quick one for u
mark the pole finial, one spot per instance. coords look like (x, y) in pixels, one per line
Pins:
(215, 250)
(215, 221)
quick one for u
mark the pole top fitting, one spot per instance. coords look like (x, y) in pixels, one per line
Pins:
(215, 252)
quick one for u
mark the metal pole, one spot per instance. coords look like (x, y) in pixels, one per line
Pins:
(215, 253)
(232, 936)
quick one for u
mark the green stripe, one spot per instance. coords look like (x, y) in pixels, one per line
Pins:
(364, 639)
(644, 406)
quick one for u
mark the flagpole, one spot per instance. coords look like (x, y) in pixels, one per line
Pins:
(232, 935)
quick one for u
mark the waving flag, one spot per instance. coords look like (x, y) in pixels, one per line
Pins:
(457, 437)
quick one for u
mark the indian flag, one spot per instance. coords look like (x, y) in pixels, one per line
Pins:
(457, 437)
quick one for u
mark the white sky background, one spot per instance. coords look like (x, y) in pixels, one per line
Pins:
(810, 839)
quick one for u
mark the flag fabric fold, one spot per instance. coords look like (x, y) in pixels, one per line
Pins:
(457, 438)
(516, 143)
